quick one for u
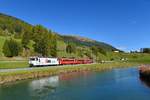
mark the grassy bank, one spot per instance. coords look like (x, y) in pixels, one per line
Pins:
(13, 64)
(6, 77)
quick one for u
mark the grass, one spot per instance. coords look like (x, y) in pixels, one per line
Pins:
(20, 62)
(145, 59)
(70, 67)
(13, 64)
(99, 66)
(96, 67)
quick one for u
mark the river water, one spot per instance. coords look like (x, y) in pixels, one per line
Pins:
(117, 84)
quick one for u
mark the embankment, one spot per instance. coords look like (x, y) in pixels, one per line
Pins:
(144, 71)
(7, 77)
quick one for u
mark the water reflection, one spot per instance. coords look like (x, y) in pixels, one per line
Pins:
(120, 75)
(145, 82)
(40, 89)
(72, 75)
(118, 84)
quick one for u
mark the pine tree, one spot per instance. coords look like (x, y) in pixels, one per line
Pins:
(25, 39)
(6, 49)
(53, 44)
(42, 40)
(11, 48)
(45, 41)
(71, 48)
(94, 50)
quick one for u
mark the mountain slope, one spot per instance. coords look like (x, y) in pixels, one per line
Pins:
(16, 26)
(13, 25)
(88, 42)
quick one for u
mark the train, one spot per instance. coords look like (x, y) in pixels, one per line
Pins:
(46, 61)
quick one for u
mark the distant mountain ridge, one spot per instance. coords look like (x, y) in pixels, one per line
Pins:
(88, 42)
(13, 24)
(17, 26)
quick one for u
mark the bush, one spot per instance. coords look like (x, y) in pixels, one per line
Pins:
(11, 48)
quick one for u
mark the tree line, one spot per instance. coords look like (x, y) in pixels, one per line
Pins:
(25, 39)
(145, 50)
(44, 43)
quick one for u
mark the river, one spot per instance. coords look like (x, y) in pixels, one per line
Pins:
(117, 84)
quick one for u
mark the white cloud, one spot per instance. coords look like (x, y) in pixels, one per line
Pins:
(122, 48)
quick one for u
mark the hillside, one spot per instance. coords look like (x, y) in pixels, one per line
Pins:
(81, 41)
(11, 25)
(16, 28)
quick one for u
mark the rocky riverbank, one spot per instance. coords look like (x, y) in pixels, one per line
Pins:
(144, 71)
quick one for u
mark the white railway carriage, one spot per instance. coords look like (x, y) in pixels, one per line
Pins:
(41, 61)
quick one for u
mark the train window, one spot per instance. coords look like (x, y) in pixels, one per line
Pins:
(32, 59)
(53, 61)
(49, 61)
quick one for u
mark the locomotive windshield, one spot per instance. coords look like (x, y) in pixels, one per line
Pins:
(32, 59)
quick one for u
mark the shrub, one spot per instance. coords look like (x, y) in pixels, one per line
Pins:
(11, 48)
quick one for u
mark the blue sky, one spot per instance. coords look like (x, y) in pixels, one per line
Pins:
(124, 24)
